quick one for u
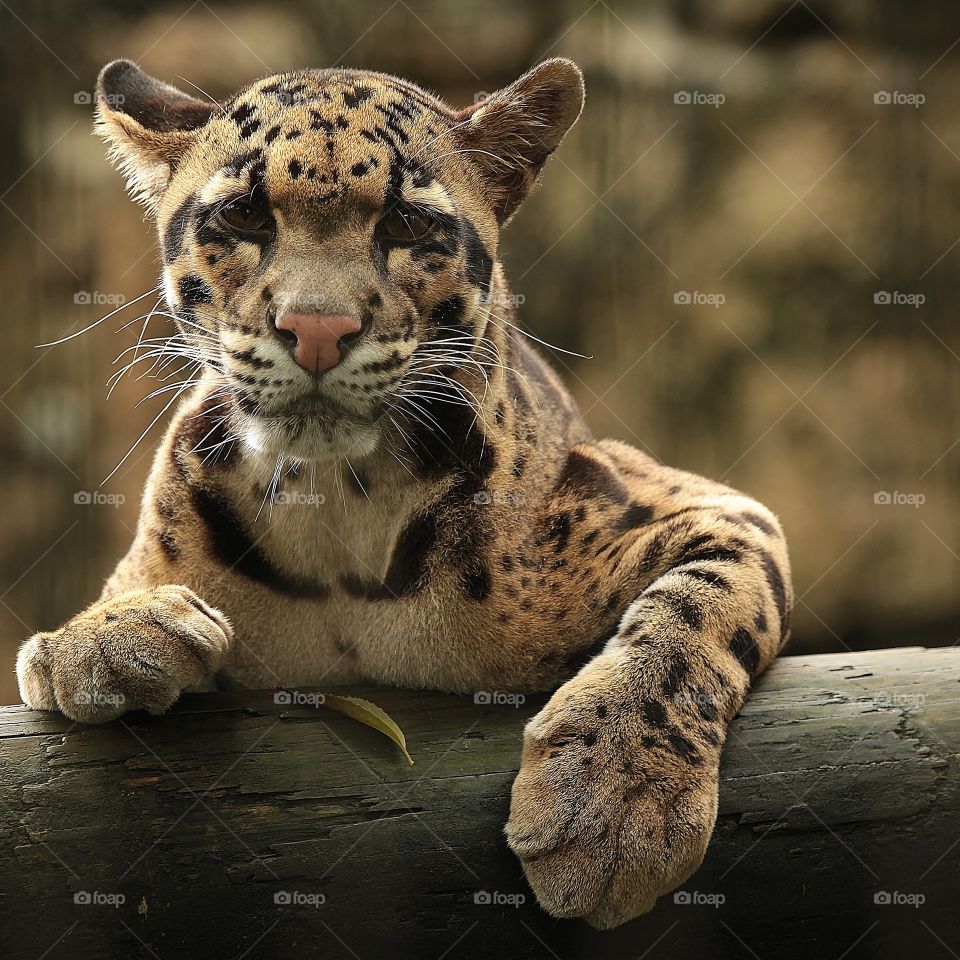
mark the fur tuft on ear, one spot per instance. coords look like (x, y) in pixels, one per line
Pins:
(510, 134)
(148, 126)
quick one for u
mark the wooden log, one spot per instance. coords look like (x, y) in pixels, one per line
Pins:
(235, 826)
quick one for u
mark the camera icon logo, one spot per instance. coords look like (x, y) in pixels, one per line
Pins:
(682, 96)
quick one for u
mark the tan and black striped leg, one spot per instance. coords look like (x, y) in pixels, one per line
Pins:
(616, 798)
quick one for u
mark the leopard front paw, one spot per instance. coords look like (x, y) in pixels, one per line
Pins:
(138, 650)
(609, 813)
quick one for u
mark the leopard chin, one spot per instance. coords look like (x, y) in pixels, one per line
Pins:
(310, 438)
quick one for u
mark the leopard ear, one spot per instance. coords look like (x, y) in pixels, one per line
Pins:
(147, 124)
(510, 134)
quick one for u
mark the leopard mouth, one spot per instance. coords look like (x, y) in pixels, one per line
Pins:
(322, 407)
(315, 401)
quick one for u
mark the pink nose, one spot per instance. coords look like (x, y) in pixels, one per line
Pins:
(318, 337)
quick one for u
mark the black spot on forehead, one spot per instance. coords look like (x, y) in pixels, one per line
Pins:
(251, 160)
(243, 113)
(393, 121)
(353, 98)
(319, 122)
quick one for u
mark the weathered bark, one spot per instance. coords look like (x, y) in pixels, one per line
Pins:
(840, 781)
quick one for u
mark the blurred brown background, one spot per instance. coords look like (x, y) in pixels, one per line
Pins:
(785, 168)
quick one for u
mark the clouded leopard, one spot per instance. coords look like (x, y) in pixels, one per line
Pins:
(330, 267)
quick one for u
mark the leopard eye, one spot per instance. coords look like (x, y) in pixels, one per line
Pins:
(244, 217)
(406, 224)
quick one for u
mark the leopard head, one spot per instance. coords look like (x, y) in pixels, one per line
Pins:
(329, 237)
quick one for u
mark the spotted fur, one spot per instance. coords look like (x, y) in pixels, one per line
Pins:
(474, 535)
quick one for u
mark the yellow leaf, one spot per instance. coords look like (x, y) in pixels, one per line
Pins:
(369, 713)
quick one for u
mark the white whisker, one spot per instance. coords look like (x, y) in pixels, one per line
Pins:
(544, 343)
(136, 443)
(123, 306)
